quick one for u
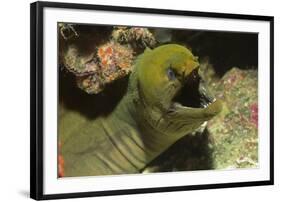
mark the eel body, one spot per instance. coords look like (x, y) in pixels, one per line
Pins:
(157, 109)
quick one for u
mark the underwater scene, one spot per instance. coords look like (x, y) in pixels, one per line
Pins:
(146, 100)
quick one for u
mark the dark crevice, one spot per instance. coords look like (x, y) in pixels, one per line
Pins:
(191, 95)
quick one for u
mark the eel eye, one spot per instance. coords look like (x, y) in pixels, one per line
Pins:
(171, 74)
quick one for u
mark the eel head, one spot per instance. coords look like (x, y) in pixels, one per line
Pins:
(172, 92)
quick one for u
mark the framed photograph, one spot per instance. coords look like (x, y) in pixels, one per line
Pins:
(134, 100)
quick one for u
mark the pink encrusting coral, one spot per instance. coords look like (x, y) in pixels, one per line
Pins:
(254, 114)
(113, 60)
(60, 163)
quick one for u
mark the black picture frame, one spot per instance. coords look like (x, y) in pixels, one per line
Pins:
(37, 98)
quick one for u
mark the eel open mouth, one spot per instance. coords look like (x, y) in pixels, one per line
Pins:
(193, 94)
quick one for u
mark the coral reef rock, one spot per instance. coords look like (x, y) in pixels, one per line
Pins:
(94, 71)
(138, 37)
(234, 133)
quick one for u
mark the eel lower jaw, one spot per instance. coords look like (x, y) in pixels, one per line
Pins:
(205, 108)
(177, 105)
(200, 114)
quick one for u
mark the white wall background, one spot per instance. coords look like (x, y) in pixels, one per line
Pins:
(14, 101)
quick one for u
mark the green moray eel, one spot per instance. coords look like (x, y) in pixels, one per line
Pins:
(147, 120)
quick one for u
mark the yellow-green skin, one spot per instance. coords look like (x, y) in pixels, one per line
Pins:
(143, 124)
